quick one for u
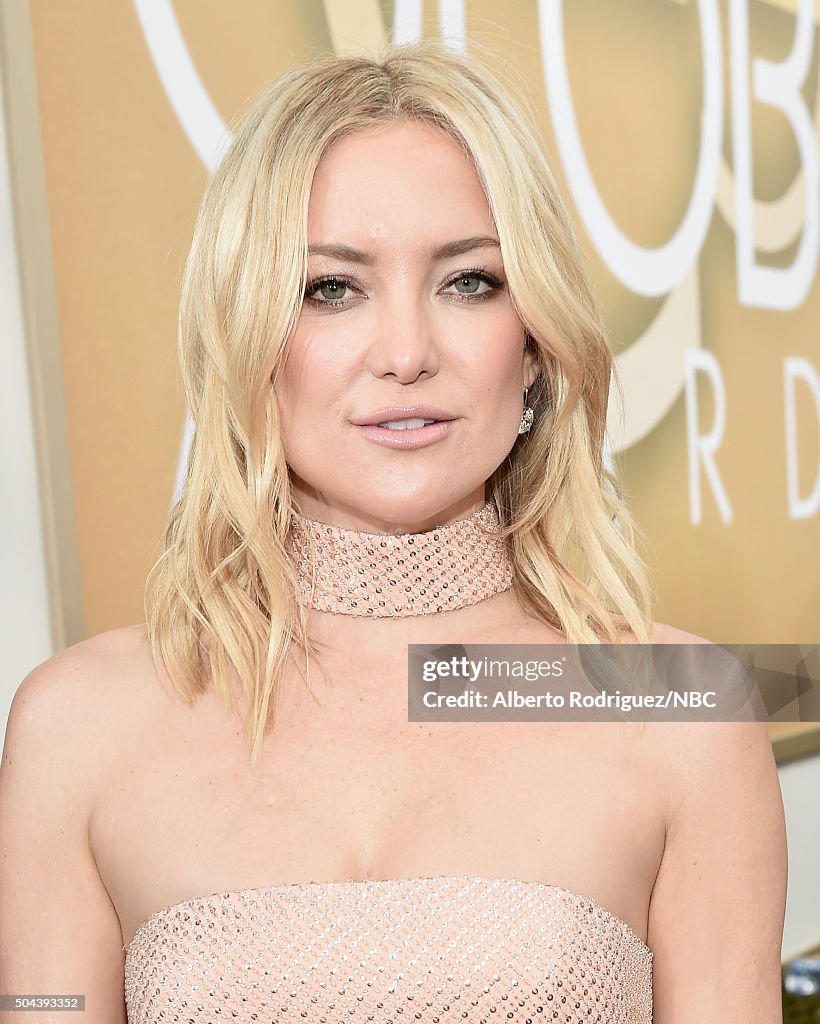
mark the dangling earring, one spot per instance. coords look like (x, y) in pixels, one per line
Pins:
(527, 417)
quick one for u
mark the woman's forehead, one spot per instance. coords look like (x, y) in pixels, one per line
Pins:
(409, 180)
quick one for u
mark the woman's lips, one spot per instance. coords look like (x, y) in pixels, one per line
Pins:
(391, 413)
(415, 437)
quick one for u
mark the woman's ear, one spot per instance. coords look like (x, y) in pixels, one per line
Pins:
(531, 363)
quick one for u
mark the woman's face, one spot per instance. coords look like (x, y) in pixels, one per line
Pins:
(406, 306)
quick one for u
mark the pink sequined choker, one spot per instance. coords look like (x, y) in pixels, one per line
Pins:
(379, 574)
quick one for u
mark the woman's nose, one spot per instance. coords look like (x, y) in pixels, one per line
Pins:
(404, 344)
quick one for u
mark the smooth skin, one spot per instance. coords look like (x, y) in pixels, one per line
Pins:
(402, 329)
(115, 801)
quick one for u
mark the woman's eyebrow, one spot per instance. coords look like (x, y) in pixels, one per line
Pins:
(438, 252)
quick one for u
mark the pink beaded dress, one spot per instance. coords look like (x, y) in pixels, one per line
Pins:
(434, 950)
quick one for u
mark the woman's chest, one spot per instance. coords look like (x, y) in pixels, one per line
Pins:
(352, 790)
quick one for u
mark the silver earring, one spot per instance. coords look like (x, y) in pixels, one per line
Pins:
(527, 417)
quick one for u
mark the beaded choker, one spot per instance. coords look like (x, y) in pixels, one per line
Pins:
(383, 575)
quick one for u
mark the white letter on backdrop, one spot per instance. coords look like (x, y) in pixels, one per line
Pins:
(701, 448)
(644, 271)
(794, 367)
(777, 85)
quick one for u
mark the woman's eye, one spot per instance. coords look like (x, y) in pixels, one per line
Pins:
(473, 282)
(468, 285)
(331, 290)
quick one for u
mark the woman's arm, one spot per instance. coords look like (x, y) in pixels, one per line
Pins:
(59, 932)
(717, 908)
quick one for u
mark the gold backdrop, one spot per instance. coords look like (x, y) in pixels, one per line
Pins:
(120, 122)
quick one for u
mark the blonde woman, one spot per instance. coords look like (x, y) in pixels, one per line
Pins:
(399, 380)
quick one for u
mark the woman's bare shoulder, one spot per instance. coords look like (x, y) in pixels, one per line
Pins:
(693, 747)
(92, 667)
(70, 715)
(88, 687)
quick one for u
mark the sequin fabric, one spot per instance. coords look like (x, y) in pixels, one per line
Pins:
(434, 950)
(351, 572)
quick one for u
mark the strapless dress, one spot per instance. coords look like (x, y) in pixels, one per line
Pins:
(435, 950)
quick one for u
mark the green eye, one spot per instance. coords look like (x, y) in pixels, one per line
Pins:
(332, 285)
(469, 277)
(477, 276)
(336, 286)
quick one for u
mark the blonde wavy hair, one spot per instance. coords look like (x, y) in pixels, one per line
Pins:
(221, 597)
